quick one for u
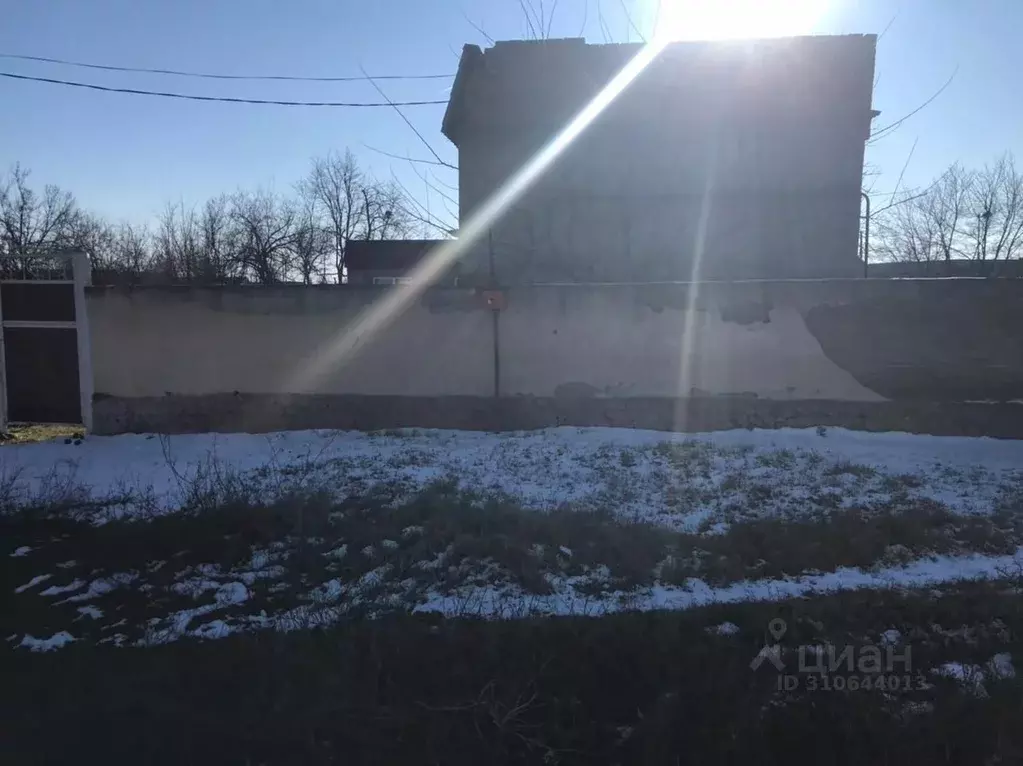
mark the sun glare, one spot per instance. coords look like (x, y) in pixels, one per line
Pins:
(736, 19)
(677, 20)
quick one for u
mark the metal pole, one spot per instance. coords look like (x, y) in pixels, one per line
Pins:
(83, 276)
(496, 322)
(3, 370)
(866, 234)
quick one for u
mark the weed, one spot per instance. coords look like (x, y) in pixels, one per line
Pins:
(900, 484)
(29, 433)
(628, 688)
(783, 459)
(848, 468)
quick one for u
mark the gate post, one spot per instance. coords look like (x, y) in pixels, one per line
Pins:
(82, 271)
(3, 371)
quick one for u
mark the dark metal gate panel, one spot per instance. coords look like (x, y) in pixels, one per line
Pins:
(37, 301)
(42, 375)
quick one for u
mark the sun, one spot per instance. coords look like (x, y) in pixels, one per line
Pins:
(736, 19)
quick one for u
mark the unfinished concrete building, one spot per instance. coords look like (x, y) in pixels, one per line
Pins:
(722, 160)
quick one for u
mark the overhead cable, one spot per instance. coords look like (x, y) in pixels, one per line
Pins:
(226, 99)
(212, 76)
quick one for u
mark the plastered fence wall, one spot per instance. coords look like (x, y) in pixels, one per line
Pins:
(884, 353)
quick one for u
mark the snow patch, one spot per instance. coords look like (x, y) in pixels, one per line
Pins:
(971, 677)
(634, 471)
(56, 590)
(101, 586)
(56, 641)
(1000, 666)
(24, 550)
(214, 629)
(232, 593)
(497, 601)
(891, 637)
(724, 629)
(32, 583)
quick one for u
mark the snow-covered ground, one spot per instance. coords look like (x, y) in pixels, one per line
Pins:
(694, 483)
(685, 481)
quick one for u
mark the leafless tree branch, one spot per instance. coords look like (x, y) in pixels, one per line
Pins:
(405, 119)
(477, 27)
(410, 159)
(426, 181)
(880, 133)
(628, 18)
(420, 214)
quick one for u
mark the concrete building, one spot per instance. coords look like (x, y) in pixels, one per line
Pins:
(722, 160)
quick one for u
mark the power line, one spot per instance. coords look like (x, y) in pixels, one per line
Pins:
(227, 99)
(211, 76)
(408, 122)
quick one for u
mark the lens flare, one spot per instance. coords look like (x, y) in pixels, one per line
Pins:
(736, 19)
(339, 350)
(677, 20)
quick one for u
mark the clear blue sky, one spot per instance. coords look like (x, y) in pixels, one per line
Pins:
(125, 156)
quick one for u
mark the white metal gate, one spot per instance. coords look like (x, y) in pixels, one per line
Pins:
(45, 361)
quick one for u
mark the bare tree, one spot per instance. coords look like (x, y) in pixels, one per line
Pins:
(133, 253)
(312, 244)
(906, 234)
(946, 206)
(217, 261)
(264, 226)
(964, 215)
(353, 205)
(995, 228)
(929, 226)
(93, 236)
(178, 243)
(32, 223)
(248, 236)
(333, 184)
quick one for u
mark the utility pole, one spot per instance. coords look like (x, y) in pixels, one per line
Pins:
(866, 234)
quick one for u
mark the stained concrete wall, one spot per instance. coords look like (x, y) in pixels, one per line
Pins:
(151, 342)
(667, 341)
(664, 355)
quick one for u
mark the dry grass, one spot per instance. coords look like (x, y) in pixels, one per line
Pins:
(633, 688)
(318, 551)
(30, 433)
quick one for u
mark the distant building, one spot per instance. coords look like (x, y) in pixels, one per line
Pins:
(956, 267)
(722, 160)
(384, 261)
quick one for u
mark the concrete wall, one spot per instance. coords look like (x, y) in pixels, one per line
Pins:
(198, 341)
(666, 355)
(718, 162)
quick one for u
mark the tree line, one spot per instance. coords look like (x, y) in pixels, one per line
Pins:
(262, 237)
(965, 215)
(249, 236)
